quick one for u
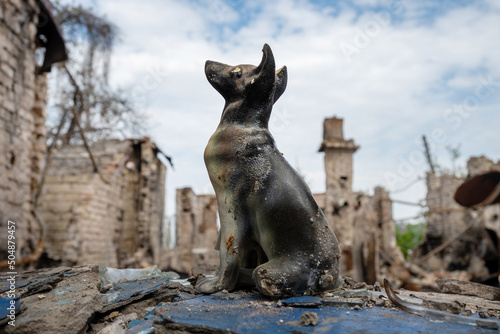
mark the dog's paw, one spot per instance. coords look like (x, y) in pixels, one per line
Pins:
(209, 285)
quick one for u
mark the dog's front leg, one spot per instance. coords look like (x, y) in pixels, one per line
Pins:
(230, 237)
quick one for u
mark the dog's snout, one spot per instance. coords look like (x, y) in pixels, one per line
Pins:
(208, 65)
(214, 67)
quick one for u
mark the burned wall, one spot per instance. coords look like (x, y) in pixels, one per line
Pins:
(22, 122)
(113, 221)
(470, 236)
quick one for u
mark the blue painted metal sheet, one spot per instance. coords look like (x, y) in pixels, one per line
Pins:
(249, 315)
(5, 305)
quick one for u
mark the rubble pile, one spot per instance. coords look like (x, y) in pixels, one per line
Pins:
(84, 300)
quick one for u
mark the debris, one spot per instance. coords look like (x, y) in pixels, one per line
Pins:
(194, 279)
(443, 316)
(141, 327)
(149, 309)
(344, 302)
(66, 309)
(361, 293)
(225, 296)
(113, 315)
(126, 318)
(360, 285)
(113, 276)
(487, 324)
(115, 328)
(349, 282)
(455, 286)
(466, 312)
(106, 288)
(303, 301)
(33, 282)
(76, 303)
(126, 292)
(309, 319)
(184, 296)
(41, 297)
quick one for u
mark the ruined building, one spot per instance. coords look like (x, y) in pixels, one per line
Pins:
(196, 232)
(26, 27)
(112, 221)
(457, 238)
(363, 223)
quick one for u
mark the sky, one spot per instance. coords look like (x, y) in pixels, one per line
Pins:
(393, 70)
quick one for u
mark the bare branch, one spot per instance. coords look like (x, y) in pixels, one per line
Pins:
(82, 134)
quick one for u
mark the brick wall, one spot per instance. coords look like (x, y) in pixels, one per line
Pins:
(22, 122)
(196, 232)
(115, 224)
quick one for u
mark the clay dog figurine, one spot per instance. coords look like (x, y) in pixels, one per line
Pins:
(273, 235)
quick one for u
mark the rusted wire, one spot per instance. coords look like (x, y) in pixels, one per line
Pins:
(431, 208)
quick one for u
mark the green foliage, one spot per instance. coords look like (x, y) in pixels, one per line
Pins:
(409, 236)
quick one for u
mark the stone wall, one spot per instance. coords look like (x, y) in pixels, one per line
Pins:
(113, 222)
(22, 122)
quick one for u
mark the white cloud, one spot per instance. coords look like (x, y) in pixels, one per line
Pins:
(391, 93)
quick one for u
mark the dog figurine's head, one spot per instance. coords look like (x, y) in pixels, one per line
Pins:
(257, 84)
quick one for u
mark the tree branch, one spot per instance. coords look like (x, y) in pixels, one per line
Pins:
(82, 134)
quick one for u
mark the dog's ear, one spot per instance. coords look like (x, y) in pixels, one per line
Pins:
(267, 65)
(280, 83)
(263, 76)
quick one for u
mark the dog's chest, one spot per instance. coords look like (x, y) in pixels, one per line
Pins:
(236, 150)
(224, 146)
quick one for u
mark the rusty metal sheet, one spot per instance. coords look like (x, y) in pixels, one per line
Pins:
(479, 190)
